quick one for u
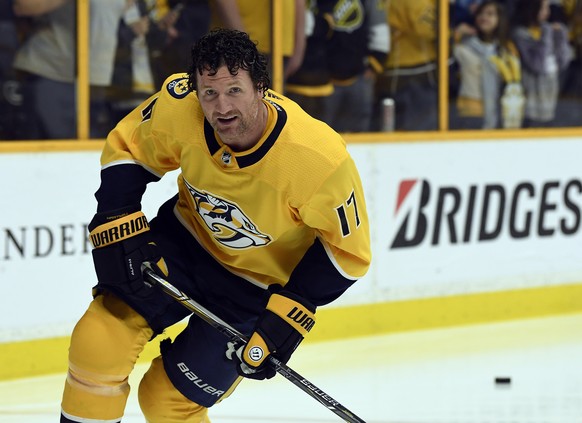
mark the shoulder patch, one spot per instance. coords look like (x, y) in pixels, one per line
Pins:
(178, 88)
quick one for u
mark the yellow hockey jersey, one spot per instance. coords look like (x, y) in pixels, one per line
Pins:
(259, 211)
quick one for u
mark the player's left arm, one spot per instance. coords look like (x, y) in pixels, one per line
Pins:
(341, 253)
(133, 157)
(338, 257)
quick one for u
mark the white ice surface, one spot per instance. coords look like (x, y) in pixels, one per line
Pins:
(434, 376)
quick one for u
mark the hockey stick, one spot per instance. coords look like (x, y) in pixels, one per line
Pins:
(235, 336)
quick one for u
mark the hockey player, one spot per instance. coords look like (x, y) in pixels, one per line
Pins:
(269, 218)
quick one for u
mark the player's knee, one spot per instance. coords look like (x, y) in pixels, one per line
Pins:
(161, 402)
(104, 347)
(107, 341)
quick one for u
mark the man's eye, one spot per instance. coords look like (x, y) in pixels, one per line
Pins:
(235, 89)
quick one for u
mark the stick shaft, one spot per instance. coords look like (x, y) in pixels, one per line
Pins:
(234, 335)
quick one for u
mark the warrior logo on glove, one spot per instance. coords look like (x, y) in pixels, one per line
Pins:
(301, 319)
(119, 229)
(122, 241)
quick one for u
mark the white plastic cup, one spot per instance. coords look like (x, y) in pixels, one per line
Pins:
(388, 114)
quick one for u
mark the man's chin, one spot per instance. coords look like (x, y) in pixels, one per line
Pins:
(227, 135)
(226, 128)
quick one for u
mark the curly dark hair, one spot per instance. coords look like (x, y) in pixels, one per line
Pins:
(231, 48)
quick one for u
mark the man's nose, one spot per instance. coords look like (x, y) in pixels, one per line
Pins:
(222, 104)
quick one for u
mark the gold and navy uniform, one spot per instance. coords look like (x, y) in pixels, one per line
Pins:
(256, 212)
(289, 213)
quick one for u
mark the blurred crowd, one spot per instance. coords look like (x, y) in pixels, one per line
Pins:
(517, 63)
(359, 65)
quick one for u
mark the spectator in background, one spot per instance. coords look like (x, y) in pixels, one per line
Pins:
(573, 82)
(132, 81)
(311, 84)
(462, 12)
(14, 122)
(461, 23)
(256, 17)
(544, 52)
(48, 60)
(410, 77)
(177, 25)
(489, 67)
(154, 38)
(569, 108)
(356, 52)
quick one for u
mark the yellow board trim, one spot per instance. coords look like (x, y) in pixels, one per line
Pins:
(45, 356)
(398, 137)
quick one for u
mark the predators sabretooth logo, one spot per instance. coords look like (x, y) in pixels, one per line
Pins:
(229, 225)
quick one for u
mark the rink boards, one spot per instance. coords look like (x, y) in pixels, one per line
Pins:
(462, 232)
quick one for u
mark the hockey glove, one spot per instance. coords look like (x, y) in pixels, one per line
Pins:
(279, 330)
(122, 242)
